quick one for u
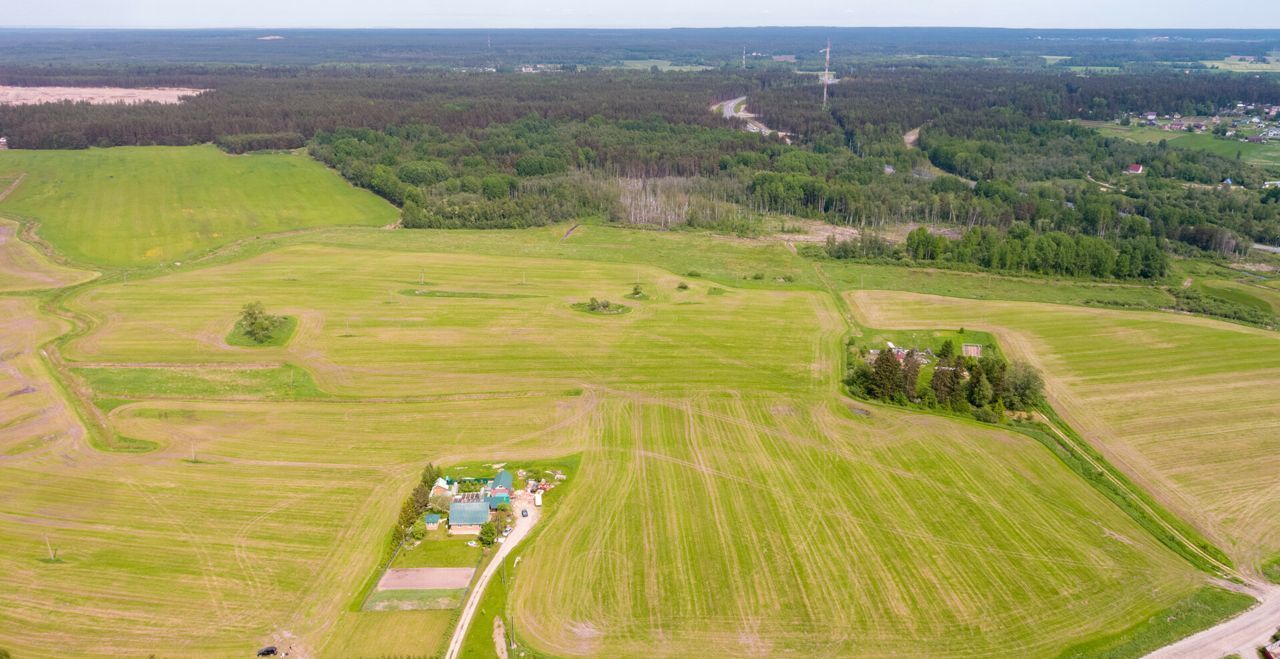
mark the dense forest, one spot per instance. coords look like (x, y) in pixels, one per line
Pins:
(308, 101)
(996, 153)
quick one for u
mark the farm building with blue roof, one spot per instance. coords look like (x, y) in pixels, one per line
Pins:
(467, 514)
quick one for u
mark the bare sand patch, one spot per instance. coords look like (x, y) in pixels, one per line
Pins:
(426, 578)
(10, 95)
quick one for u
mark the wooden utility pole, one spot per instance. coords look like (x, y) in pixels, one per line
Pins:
(53, 556)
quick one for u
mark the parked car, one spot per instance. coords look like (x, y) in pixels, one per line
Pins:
(269, 651)
(524, 512)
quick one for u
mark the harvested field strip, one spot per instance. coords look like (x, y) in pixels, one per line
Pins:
(1180, 404)
(739, 482)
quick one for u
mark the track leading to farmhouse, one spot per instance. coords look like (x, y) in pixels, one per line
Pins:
(523, 526)
(1241, 635)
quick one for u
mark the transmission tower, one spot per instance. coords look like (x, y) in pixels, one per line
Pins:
(826, 75)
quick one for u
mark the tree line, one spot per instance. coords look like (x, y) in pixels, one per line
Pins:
(1021, 250)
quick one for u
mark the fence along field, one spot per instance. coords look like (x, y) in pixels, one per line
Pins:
(1185, 405)
(723, 486)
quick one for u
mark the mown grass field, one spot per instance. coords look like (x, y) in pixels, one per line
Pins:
(149, 205)
(727, 501)
(1258, 154)
(1185, 405)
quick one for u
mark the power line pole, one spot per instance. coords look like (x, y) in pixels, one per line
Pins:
(826, 75)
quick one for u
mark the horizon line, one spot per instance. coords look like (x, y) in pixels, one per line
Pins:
(648, 28)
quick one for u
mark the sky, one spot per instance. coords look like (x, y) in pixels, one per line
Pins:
(630, 13)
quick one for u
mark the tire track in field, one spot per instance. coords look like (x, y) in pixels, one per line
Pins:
(207, 567)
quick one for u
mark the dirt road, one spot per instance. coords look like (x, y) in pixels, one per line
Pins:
(912, 138)
(737, 109)
(522, 528)
(1240, 635)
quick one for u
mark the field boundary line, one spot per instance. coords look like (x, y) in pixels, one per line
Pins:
(1131, 492)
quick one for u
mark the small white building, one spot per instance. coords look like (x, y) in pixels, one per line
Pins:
(4, 143)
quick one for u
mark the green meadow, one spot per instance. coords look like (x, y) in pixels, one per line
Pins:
(725, 497)
(148, 205)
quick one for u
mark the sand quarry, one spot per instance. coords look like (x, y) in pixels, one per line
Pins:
(96, 95)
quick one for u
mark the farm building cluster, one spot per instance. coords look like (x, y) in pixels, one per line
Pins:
(474, 500)
(921, 357)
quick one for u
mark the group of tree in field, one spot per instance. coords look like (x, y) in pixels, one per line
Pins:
(602, 306)
(983, 387)
(257, 324)
(420, 502)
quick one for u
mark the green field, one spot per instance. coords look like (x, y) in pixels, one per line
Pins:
(1183, 404)
(662, 64)
(725, 498)
(723, 485)
(150, 205)
(1267, 155)
(1247, 67)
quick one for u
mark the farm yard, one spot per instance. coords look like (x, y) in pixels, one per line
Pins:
(725, 492)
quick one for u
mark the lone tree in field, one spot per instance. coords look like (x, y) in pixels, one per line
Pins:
(257, 323)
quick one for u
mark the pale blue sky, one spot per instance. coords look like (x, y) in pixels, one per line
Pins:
(633, 13)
